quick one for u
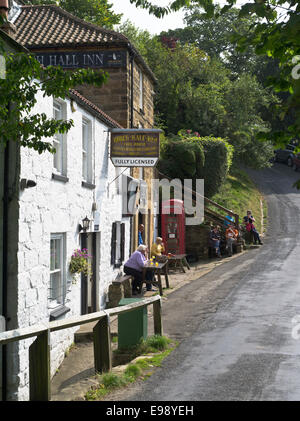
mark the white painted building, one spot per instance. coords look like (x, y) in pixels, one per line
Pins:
(78, 181)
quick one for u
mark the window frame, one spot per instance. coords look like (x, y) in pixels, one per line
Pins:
(88, 175)
(58, 299)
(118, 244)
(59, 140)
(141, 90)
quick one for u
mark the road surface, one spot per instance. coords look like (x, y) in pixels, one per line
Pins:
(241, 343)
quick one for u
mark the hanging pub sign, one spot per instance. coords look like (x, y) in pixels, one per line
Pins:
(134, 147)
(81, 59)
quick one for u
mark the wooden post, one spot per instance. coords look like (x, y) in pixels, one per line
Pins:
(237, 222)
(102, 346)
(167, 274)
(39, 368)
(157, 318)
(159, 282)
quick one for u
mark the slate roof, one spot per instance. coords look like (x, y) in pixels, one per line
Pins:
(49, 26)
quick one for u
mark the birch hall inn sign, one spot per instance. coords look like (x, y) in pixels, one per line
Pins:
(134, 147)
(80, 59)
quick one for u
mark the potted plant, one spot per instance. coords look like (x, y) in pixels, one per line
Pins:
(80, 263)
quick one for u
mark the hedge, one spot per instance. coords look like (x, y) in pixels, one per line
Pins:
(181, 158)
(218, 158)
(191, 156)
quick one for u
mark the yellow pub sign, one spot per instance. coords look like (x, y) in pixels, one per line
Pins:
(134, 147)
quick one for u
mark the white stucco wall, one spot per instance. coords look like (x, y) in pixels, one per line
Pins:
(58, 207)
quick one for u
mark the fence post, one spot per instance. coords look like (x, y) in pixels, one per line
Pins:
(236, 221)
(102, 346)
(39, 368)
(157, 318)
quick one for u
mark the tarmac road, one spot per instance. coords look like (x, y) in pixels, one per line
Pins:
(239, 343)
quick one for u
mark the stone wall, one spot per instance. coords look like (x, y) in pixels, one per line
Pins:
(197, 240)
(142, 117)
(114, 97)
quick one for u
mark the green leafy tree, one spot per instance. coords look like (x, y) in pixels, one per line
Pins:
(98, 12)
(199, 93)
(190, 156)
(214, 36)
(275, 32)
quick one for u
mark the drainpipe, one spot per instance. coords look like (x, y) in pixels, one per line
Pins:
(131, 87)
(5, 265)
(131, 122)
(4, 7)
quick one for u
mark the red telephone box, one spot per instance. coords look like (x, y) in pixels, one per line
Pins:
(173, 226)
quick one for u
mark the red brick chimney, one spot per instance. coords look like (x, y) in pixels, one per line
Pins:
(8, 27)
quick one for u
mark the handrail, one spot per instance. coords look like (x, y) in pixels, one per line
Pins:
(29, 332)
(39, 350)
(236, 216)
(205, 198)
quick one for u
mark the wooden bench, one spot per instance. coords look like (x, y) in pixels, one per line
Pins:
(120, 288)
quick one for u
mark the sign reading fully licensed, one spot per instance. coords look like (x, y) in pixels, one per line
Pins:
(134, 147)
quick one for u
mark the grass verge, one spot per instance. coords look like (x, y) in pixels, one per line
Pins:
(239, 193)
(158, 346)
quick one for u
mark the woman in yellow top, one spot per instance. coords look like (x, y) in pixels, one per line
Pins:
(157, 248)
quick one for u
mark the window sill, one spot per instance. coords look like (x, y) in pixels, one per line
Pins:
(59, 177)
(55, 314)
(87, 185)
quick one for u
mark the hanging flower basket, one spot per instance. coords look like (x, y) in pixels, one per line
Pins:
(79, 263)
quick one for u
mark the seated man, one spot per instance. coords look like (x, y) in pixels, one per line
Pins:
(157, 249)
(231, 238)
(134, 266)
(215, 239)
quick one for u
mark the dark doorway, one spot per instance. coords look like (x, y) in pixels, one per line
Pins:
(90, 283)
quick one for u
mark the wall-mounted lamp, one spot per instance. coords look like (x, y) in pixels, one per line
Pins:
(85, 224)
(25, 184)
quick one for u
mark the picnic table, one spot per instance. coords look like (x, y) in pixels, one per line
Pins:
(159, 268)
(179, 259)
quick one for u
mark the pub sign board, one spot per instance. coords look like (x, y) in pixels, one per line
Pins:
(82, 59)
(134, 147)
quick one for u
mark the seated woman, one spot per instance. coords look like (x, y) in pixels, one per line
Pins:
(251, 228)
(231, 238)
(157, 249)
(134, 266)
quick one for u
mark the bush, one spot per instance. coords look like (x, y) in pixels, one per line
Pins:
(181, 158)
(190, 156)
(218, 158)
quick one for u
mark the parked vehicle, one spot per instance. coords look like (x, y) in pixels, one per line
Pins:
(296, 162)
(285, 155)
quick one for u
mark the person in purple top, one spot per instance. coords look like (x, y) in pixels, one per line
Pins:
(134, 266)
